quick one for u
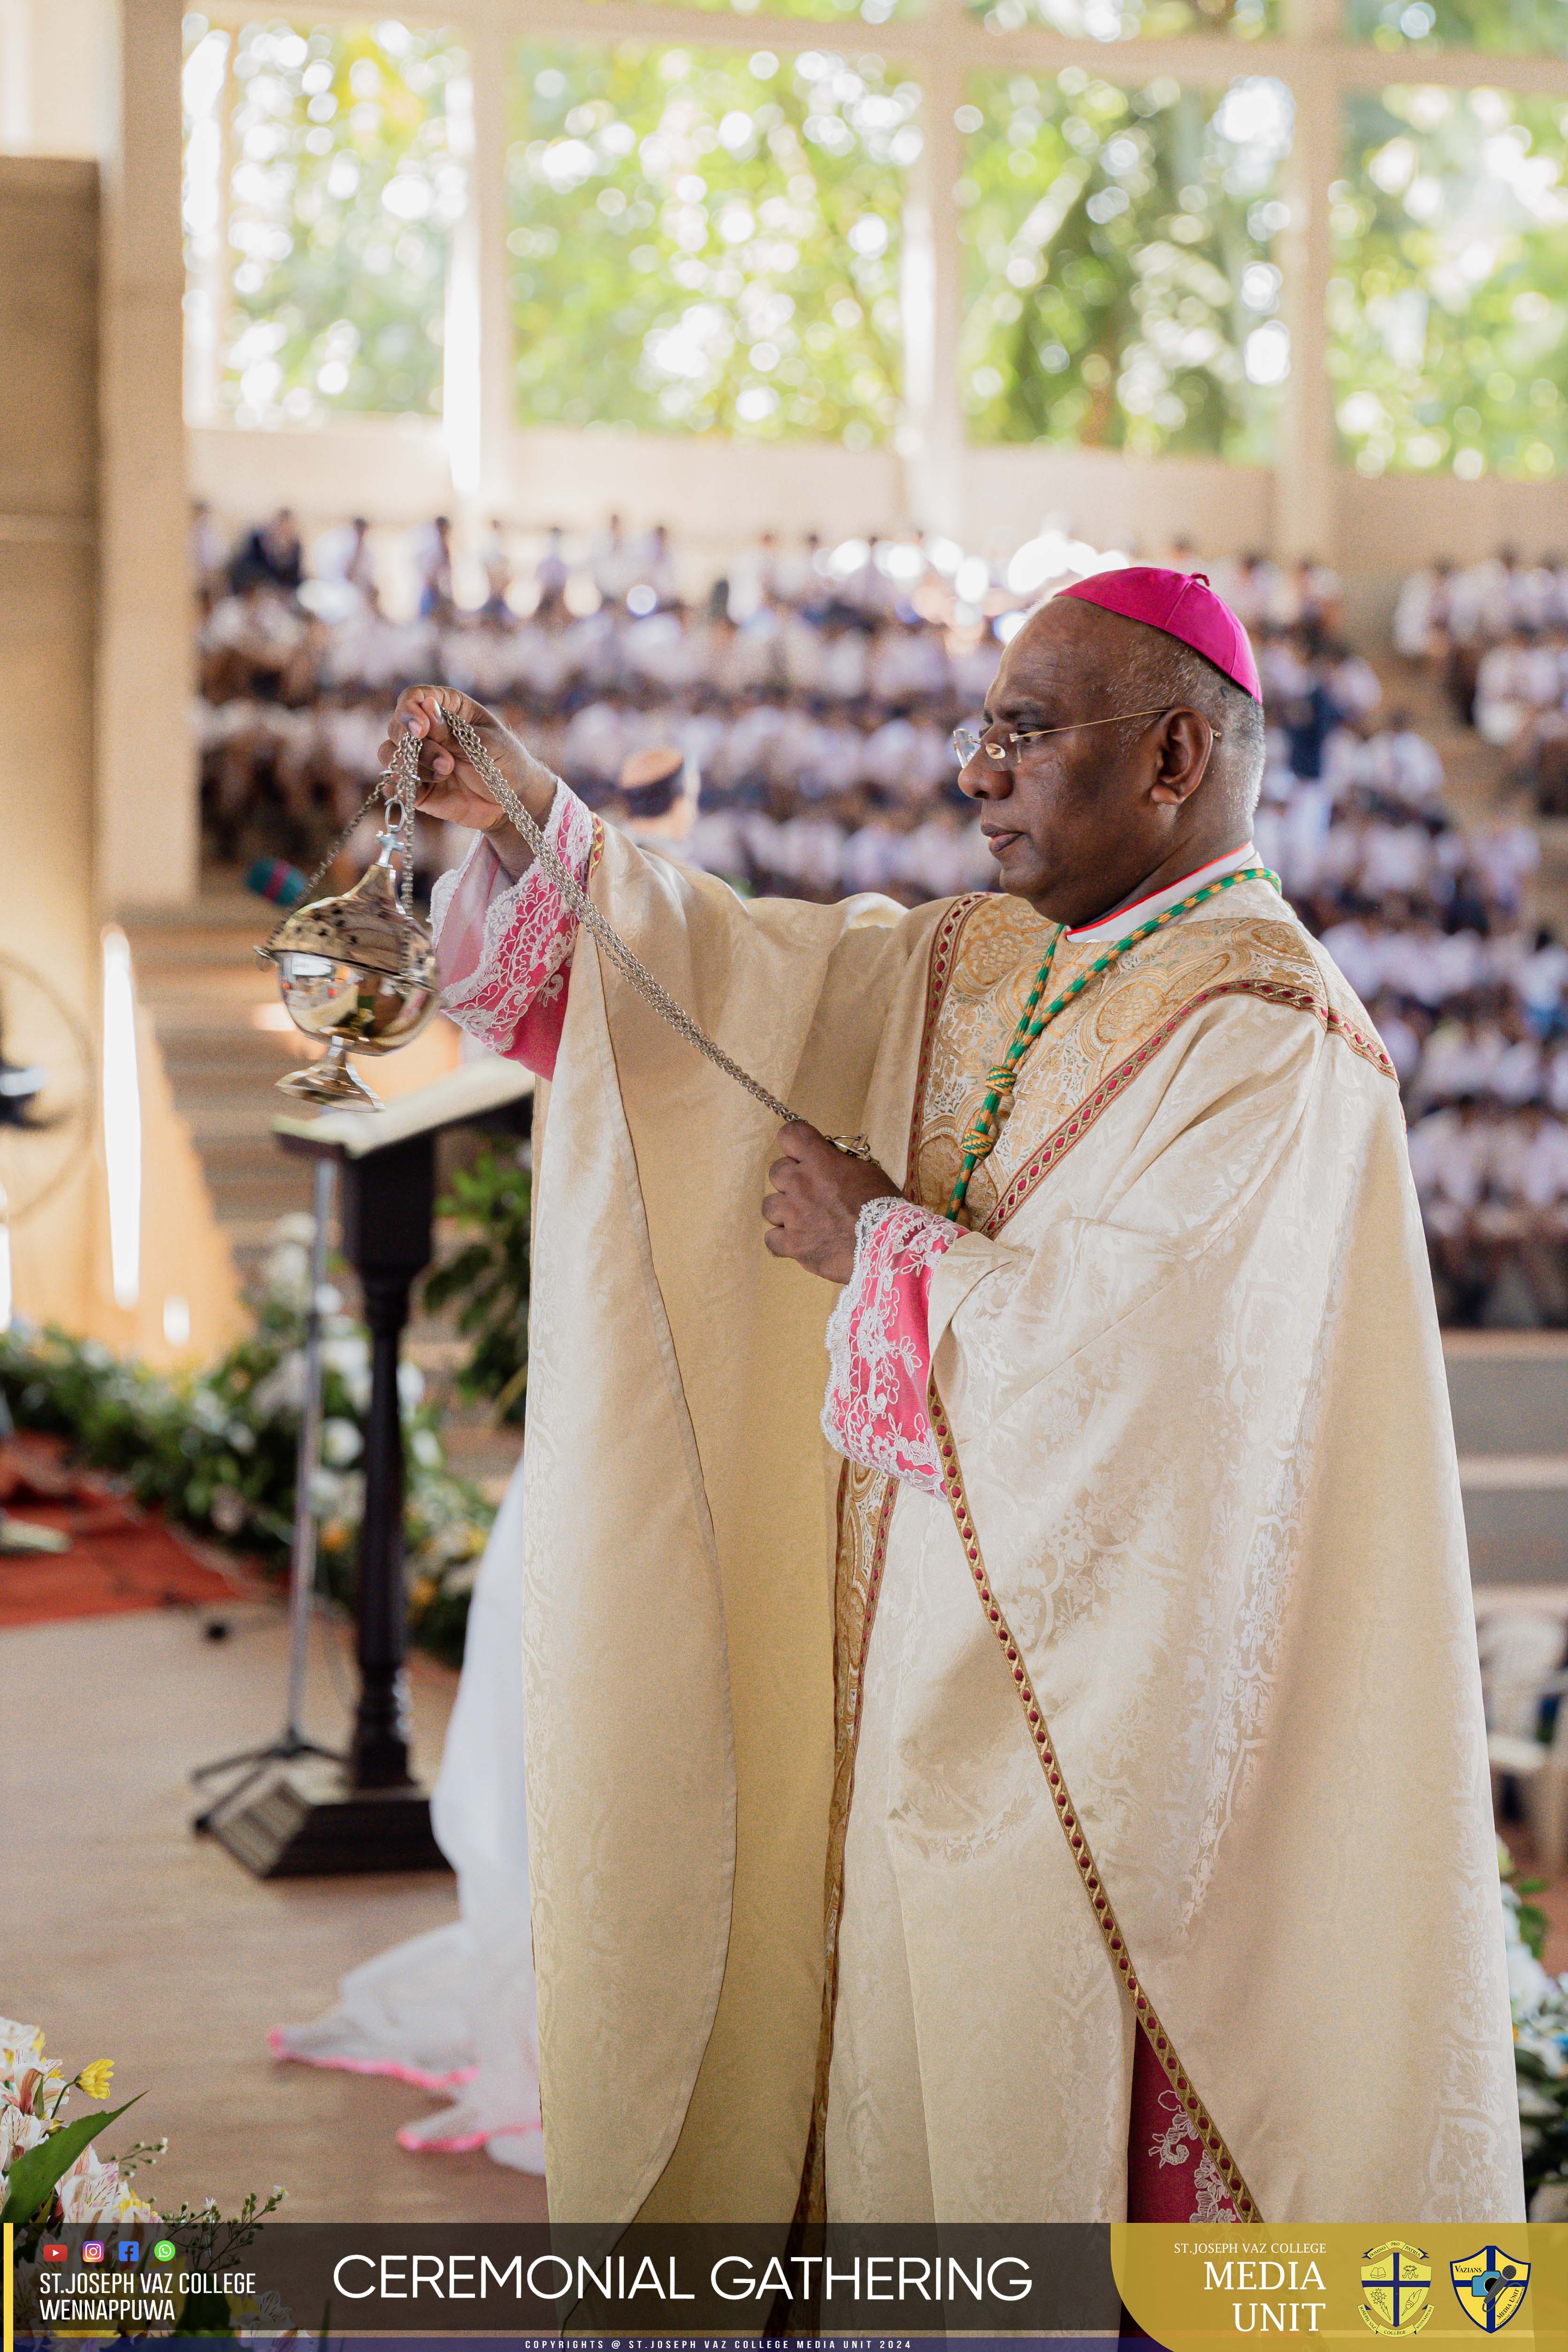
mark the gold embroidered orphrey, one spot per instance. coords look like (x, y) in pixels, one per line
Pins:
(984, 956)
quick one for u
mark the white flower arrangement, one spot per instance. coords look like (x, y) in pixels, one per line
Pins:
(1540, 2004)
(48, 2167)
(51, 2175)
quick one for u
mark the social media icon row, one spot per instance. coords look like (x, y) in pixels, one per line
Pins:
(127, 2250)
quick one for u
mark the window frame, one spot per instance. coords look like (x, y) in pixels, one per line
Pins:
(940, 47)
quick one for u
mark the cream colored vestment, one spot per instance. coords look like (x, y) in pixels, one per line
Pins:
(1192, 1370)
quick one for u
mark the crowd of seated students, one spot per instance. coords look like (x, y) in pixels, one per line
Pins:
(1430, 925)
(788, 727)
(815, 699)
(1496, 633)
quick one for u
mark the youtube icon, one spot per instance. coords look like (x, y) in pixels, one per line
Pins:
(52, 2250)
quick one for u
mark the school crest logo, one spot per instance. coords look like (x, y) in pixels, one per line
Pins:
(1490, 2286)
(1396, 2289)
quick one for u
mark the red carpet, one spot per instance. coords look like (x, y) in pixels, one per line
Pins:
(122, 1557)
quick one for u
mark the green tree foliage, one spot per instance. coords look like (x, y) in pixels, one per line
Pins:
(1131, 20)
(1509, 26)
(1449, 302)
(828, 11)
(1118, 278)
(342, 193)
(708, 242)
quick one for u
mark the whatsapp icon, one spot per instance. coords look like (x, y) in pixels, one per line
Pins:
(164, 2250)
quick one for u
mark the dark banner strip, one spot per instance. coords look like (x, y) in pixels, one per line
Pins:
(682, 2284)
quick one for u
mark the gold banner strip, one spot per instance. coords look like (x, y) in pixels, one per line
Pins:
(1073, 1828)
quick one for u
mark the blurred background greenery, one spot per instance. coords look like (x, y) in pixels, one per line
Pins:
(712, 240)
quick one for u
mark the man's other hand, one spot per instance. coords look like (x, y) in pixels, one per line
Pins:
(817, 1196)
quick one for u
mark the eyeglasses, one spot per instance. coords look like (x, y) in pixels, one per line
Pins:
(1001, 744)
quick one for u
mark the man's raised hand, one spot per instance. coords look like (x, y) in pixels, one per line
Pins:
(449, 787)
(818, 1193)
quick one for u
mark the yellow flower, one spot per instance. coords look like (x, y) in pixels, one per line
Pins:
(94, 2079)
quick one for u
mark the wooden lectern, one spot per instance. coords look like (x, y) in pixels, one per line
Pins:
(319, 1818)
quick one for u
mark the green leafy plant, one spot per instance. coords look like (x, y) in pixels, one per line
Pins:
(487, 1279)
(33, 2178)
(210, 2241)
(216, 1449)
(1540, 2004)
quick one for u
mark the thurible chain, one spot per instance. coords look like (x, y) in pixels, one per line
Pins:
(631, 966)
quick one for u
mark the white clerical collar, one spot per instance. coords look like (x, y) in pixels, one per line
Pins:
(1143, 910)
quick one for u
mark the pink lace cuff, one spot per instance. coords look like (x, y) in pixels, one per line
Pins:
(500, 946)
(879, 1348)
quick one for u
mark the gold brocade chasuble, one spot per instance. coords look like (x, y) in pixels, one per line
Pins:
(983, 961)
(1200, 1496)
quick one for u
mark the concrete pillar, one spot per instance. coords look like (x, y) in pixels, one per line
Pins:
(147, 844)
(477, 399)
(49, 222)
(51, 56)
(491, 40)
(931, 430)
(210, 94)
(1305, 473)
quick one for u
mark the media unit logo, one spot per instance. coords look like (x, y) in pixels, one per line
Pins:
(1396, 2289)
(1490, 2286)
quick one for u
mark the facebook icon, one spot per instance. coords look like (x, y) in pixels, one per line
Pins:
(130, 2250)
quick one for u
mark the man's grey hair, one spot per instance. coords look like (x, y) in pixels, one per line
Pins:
(1163, 671)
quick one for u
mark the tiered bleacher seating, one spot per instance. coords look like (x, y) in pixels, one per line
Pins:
(803, 704)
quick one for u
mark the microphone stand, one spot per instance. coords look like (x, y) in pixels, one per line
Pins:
(251, 1763)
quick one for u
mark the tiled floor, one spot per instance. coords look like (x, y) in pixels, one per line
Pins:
(127, 1937)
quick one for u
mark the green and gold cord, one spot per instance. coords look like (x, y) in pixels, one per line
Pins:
(980, 1136)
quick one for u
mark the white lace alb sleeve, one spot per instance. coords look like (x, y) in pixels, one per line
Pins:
(500, 945)
(879, 1350)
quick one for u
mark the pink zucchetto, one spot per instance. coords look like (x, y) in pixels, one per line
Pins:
(1184, 605)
